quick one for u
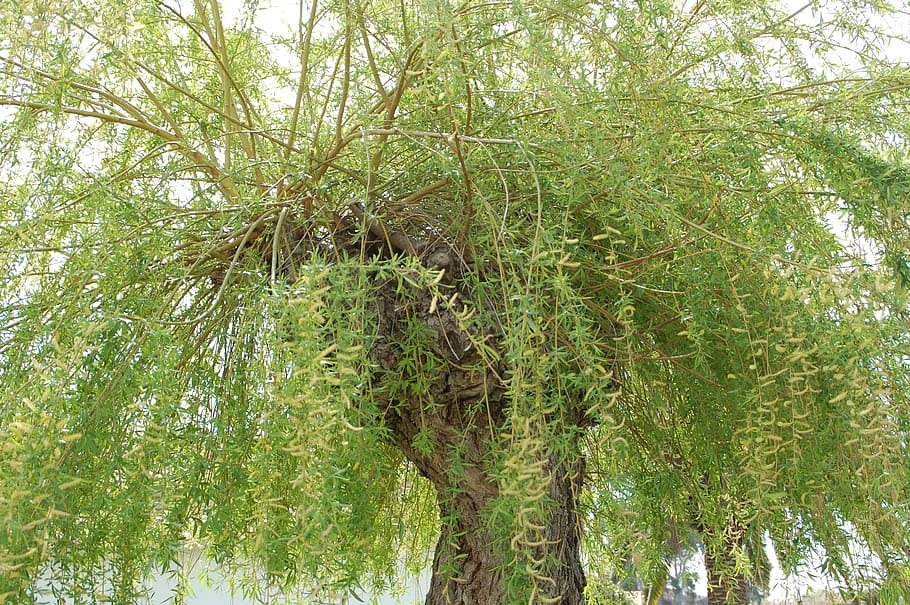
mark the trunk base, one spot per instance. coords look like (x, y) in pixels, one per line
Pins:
(468, 566)
(724, 589)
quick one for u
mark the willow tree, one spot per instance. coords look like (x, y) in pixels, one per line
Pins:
(314, 298)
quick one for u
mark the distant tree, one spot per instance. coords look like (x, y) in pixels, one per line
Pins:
(503, 276)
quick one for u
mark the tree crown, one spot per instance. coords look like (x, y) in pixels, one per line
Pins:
(630, 210)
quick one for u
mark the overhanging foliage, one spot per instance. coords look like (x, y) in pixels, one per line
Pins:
(622, 212)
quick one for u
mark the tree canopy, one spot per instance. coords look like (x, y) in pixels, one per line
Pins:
(540, 283)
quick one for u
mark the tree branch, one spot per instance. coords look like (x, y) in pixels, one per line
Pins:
(224, 183)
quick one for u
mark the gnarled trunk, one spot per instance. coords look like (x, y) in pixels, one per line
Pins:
(468, 564)
(463, 408)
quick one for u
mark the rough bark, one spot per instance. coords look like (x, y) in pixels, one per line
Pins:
(464, 410)
(467, 548)
(724, 588)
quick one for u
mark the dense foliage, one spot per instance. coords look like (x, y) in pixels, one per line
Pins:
(669, 238)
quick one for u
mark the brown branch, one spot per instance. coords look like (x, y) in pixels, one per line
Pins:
(249, 129)
(325, 108)
(120, 102)
(340, 140)
(215, 110)
(394, 238)
(421, 193)
(223, 182)
(219, 54)
(391, 105)
(641, 259)
(159, 105)
(306, 43)
(374, 70)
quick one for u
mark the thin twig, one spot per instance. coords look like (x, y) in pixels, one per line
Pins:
(306, 44)
(222, 181)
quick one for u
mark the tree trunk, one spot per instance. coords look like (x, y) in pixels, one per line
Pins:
(656, 590)
(724, 588)
(467, 567)
(463, 409)
(468, 564)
